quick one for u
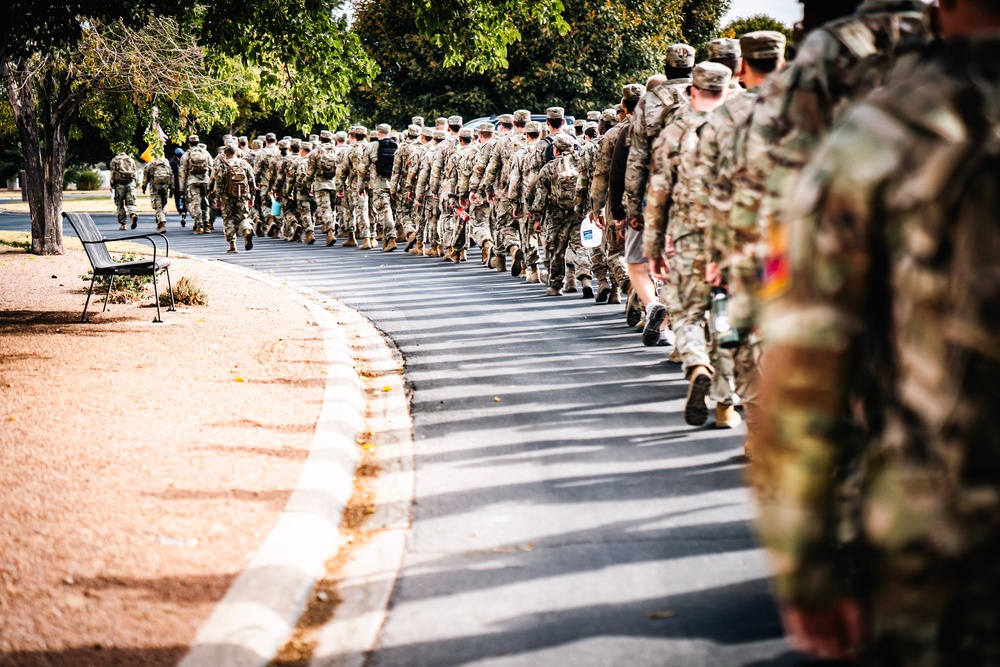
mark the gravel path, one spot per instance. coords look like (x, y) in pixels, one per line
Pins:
(141, 464)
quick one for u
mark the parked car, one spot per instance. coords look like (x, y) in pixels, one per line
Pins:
(539, 117)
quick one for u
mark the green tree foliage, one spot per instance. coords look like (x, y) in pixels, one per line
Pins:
(701, 20)
(743, 25)
(606, 46)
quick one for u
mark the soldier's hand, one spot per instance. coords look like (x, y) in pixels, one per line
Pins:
(669, 246)
(658, 267)
(517, 212)
(538, 226)
(600, 221)
(833, 633)
(713, 275)
(409, 196)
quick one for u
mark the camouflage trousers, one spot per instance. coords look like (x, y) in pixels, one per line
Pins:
(265, 203)
(289, 217)
(529, 241)
(235, 217)
(325, 202)
(304, 213)
(405, 213)
(362, 219)
(506, 228)
(159, 197)
(448, 227)
(196, 201)
(614, 250)
(479, 224)
(431, 236)
(694, 343)
(383, 211)
(577, 255)
(125, 201)
(559, 225)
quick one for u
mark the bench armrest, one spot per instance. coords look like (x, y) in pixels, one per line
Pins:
(148, 237)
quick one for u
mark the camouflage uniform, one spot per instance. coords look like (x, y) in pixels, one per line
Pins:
(892, 294)
(835, 65)
(235, 210)
(425, 197)
(402, 206)
(445, 149)
(651, 115)
(482, 212)
(598, 258)
(285, 183)
(379, 187)
(305, 202)
(408, 190)
(455, 231)
(555, 195)
(122, 169)
(323, 164)
(360, 163)
(263, 173)
(517, 193)
(495, 186)
(612, 245)
(195, 182)
(345, 188)
(158, 174)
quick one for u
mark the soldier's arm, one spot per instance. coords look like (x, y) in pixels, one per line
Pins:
(540, 199)
(479, 167)
(514, 181)
(636, 169)
(805, 441)
(617, 177)
(182, 172)
(437, 171)
(251, 181)
(656, 212)
(602, 168)
(493, 168)
(583, 185)
(397, 166)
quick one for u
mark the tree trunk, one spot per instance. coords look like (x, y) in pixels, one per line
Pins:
(43, 191)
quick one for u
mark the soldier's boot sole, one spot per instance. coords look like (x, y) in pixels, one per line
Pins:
(654, 322)
(248, 241)
(272, 231)
(517, 266)
(696, 405)
(603, 293)
(135, 220)
(633, 310)
(411, 241)
(309, 238)
(588, 291)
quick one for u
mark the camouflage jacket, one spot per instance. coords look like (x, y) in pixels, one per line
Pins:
(158, 173)
(482, 161)
(441, 155)
(408, 182)
(422, 191)
(186, 178)
(467, 168)
(345, 173)
(315, 172)
(222, 167)
(586, 168)
(497, 177)
(272, 170)
(517, 188)
(891, 282)
(651, 115)
(602, 168)
(399, 161)
(452, 171)
(303, 179)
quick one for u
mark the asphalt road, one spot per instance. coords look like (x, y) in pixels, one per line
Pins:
(565, 514)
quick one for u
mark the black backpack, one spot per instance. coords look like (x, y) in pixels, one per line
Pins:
(386, 154)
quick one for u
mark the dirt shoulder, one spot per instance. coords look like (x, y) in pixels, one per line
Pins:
(141, 464)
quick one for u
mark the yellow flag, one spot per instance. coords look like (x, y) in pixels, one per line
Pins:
(147, 156)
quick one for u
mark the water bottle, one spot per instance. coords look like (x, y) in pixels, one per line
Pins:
(726, 335)
(275, 208)
(590, 234)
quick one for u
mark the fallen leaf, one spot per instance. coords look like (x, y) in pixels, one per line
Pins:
(496, 399)
(387, 388)
(368, 446)
(239, 379)
(661, 615)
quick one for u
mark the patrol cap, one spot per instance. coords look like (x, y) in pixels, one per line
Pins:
(724, 48)
(313, 138)
(202, 146)
(763, 45)
(418, 121)
(589, 125)
(465, 133)
(609, 116)
(326, 134)
(562, 141)
(294, 144)
(593, 116)
(506, 119)
(341, 136)
(360, 131)
(384, 128)
(287, 137)
(554, 113)
(413, 130)
(633, 91)
(618, 108)
(270, 136)
(454, 120)
(427, 132)
(256, 143)
(244, 140)
(486, 128)
(193, 139)
(306, 146)
(373, 135)
(711, 76)
(680, 56)
(522, 116)
(283, 143)
(440, 135)
(533, 127)
(441, 122)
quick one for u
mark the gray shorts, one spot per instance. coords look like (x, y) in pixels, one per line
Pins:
(633, 246)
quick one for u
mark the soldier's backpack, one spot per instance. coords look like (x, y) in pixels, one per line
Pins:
(386, 154)
(161, 174)
(328, 160)
(564, 177)
(236, 182)
(198, 161)
(124, 169)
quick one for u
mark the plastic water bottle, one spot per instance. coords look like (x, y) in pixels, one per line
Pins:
(275, 207)
(590, 234)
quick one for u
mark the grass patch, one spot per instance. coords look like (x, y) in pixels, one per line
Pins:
(125, 289)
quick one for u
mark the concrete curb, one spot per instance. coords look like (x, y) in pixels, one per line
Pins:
(258, 613)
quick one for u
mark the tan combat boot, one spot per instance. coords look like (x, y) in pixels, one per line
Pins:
(309, 238)
(248, 240)
(417, 249)
(389, 246)
(616, 295)
(588, 291)
(569, 284)
(367, 244)
(447, 254)
(352, 240)
(411, 241)
(232, 246)
(696, 406)
(603, 291)
(331, 238)
(463, 256)
(726, 416)
(487, 247)
(501, 263)
(533, 277)
(161, 228)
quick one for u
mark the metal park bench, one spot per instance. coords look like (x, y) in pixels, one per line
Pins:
(103, 265)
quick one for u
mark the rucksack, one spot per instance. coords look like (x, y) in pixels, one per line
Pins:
(564, 177)
(236, 182)
(198, 160)
(328, 160)
(161, 175)
(124, 168)
(386, 154)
